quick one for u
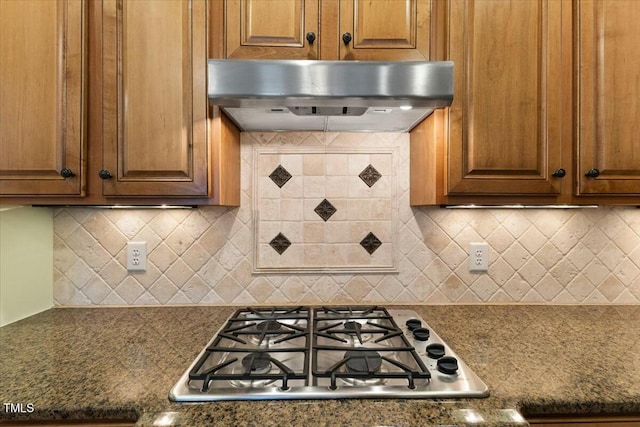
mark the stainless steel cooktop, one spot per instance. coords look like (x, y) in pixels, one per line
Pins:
(326, 353)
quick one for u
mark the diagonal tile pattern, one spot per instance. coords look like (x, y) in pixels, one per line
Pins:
(204, 255)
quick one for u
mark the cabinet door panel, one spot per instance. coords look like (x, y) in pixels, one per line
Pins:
(609, 111)
(155, 98)
(42, 96)
(392, 30)
(505, 121)
(274, 29)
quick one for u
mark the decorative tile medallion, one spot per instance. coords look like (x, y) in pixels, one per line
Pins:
(280, 243)
(325, 210)
(306, 212)
(370, 243)
(370, 175)
(280, 176)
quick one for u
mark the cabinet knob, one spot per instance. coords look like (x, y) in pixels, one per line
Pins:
(593, 173)
(559, 173)
(66, 173)
(105, 174)
(346, 38)
(311, 37)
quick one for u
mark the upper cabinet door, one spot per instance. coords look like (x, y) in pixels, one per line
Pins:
(154, 98)
(391, 30)
(505, 124)
(273, 29)
(609, 96)
(42, 97)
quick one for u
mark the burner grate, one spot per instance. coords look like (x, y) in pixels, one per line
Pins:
(388, 350)
(255, 347)
(236, 369)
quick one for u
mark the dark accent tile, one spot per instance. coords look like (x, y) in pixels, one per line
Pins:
(325, 209)
(280, 176)
(280, 243)
(370, 175)
(370, 243)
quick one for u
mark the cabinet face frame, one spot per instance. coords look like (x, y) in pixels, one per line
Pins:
(23, 124)
(188, 175)
(470, 171)
(608, 101)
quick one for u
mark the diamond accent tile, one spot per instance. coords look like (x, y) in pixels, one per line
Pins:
(325, 210)
(280, 176)
(280, 243)
(370, 243)
(370, 175)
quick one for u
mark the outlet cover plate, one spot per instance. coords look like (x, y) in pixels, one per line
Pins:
(478, 256)
(137, 256)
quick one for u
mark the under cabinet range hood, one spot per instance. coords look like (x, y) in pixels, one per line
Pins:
(332, 96)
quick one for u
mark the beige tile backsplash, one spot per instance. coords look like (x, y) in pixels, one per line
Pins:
(208, 255)
(317, 174)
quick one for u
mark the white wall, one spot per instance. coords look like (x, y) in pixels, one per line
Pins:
(26, 262)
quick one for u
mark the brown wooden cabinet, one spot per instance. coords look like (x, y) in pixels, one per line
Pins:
(154, 98)
(42, 97)
(505, 133)
(282, 29)
(585, 420)
(150, 136)
(67, 423)
(396, 30)
(608, 114)
(543, 89)
(390, 30)
(507, 136)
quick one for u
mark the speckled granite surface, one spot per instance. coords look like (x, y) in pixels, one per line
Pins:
(122, 362)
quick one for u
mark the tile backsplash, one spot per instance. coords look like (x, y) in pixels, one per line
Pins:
(211, 255)
(333, 212)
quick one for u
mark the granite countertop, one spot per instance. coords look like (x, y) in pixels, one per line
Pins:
(120, 363)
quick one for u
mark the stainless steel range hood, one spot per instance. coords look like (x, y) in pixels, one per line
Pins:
(333, 96)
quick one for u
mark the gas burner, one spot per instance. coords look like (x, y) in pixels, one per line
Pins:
(269, 327)
(354, 335)
(366, 362)
(352, 328)
(268, 331)
(361, 367)
(257, 363)
(251, 365)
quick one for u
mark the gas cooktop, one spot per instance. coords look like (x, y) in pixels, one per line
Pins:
(326, 353)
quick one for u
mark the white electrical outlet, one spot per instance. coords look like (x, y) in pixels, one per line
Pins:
(137, 256)
(478, 257)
